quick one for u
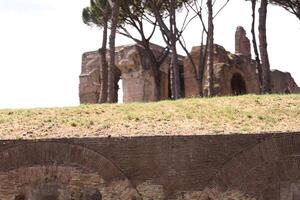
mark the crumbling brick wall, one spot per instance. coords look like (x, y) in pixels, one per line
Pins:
(139, 84)
(255, 166)
(242, 43)
(283, 83)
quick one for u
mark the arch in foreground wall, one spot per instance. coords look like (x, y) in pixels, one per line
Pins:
(269, 170)
(43, 170)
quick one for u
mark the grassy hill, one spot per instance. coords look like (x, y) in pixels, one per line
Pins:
(219, 115)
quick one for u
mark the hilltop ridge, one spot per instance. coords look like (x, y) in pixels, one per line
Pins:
(195, 116)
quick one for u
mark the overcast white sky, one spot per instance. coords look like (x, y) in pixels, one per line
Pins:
(41, 43)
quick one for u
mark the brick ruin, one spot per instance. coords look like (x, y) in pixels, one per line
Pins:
(203, 167)
(195, 167)
(234, 74)
(133, 67)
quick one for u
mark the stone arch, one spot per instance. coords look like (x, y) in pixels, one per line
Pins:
(268, 170)
(31, 168)
(238, 84)
(227, 73)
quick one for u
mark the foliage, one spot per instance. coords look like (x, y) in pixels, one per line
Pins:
(93, 14)
(293, 6)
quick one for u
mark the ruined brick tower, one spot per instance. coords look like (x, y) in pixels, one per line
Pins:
(242, 43)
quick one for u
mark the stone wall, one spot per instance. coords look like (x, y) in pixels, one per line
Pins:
(90, 78)
(254, 166)
(234, 74)
(242, 43)
(60, 171)
(283, 83)
(134, 68)
(89, 86)
(137, 75)
(226, 66)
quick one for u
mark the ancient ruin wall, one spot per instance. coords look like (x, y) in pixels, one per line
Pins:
(135, 70)
(242, 43)
(283, 83)
(234, 74)
(226, 66)
(137, 76)
(89, 86)
(255, 166)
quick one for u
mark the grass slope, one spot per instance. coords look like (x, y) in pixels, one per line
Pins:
(219, 115)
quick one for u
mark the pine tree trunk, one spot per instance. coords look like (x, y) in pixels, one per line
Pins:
(202, 60)
(155, 68)
(174, 68)
(171, 39)
(175, 75)
(112, 90)
(266, 82)
(103, 69)
(257, 59)
(210, 61)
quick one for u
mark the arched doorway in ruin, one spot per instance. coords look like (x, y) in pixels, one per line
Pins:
(268, 170)
(60, 171)
(238, 85)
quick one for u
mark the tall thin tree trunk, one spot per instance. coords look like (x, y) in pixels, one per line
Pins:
(112, 90)
(174, 68)
(103, 68)
(266, 81)
(210, 61)
(257, 58)
(170, 37)
(202, 59)
(155, 68)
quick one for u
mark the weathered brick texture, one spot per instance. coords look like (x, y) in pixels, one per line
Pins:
(234, 74)
(244, 167)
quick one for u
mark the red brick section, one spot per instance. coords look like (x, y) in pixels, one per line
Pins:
(134, 67)
(48, 160)
(269, 170)
(226, 66)
(237, 167)
(242, 43)
(283, 83)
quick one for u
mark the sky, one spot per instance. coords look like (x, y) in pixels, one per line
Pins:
(41, 44)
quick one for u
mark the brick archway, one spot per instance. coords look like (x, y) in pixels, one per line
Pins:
(61, 166)
(269, 170)
(238, 84)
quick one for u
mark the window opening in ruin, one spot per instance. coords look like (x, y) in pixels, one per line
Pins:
(20, 197)
(120, 91)
(238, 85)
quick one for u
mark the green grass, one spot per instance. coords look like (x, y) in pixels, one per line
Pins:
(219, 115)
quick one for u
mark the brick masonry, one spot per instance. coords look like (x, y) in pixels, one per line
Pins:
(135, 70)
(254, 166)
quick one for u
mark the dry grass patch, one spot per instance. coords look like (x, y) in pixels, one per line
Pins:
(219, 115)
